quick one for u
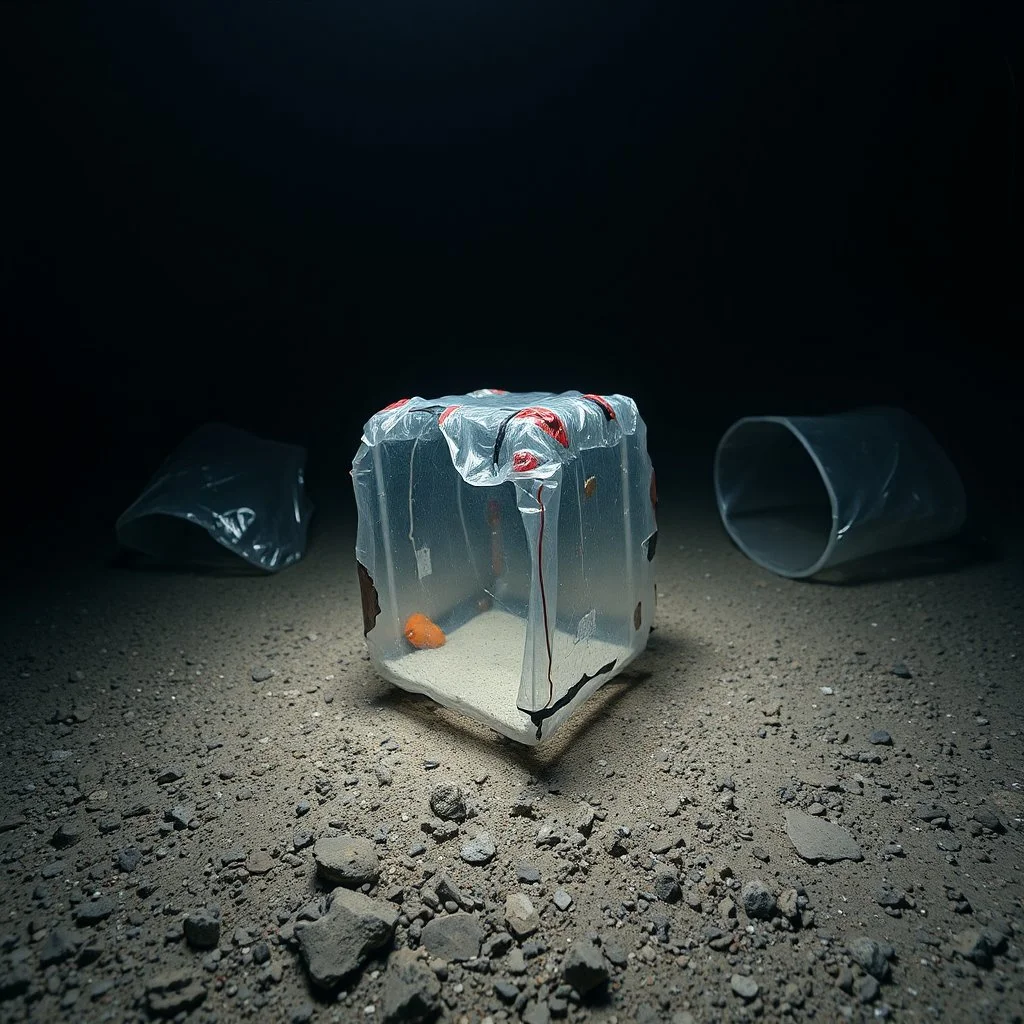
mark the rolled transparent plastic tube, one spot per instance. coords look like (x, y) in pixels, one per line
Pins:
(799, 494)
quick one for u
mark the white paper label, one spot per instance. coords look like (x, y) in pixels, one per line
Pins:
(423, 562)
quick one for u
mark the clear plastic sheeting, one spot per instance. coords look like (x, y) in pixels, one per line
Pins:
(223, 492)
(504, 550)
(799, 494)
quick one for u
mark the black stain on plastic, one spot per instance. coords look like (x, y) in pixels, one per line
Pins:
(539, 717)
(368, 597)
(500, 438)
(652, 544)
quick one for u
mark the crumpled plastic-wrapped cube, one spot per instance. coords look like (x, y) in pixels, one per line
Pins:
(504, 550)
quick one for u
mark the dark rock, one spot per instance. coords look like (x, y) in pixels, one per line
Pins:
(58, 946)
(202, 928)
(988, 819)
(885, 896)
(666, 886)
(174, 992)
(412, 992)
(506, 991)
(128, 859)
(346, 860)
(867, 989)
(94, 911)
(454, 937)
(758, 901)
(342, 940)
(871, 955)
(527, 873)
(979, 945)
(497, 945)
(562, 899)
(816, 839)
(615, 953)
(66, 835)
(584, 968)
(447, 891)
(14, 981)
(931, 812)
(448, 802)
(303, 1013)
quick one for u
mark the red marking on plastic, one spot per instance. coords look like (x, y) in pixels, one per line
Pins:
(548, 421)
(395, 405)
(523, 462)
(604, 403)
(446, 414)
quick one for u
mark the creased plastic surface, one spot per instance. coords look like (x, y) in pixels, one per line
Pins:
(223, 484)
(799, 494)
(486, 430)
(520, 527)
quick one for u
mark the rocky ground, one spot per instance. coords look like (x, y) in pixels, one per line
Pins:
(806, 803)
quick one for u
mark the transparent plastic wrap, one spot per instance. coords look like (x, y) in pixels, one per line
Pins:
(223, 491)
(799, 494)
(504, 550)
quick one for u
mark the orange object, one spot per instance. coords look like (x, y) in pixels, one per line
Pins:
(422, 633)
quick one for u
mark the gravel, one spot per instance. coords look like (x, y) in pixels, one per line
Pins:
(717, 838)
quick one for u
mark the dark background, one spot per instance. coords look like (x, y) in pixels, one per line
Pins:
(287, 215)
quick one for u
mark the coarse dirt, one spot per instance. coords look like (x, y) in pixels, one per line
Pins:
(178, 745)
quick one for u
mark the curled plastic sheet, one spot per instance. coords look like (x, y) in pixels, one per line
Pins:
(223, 491)
(504, 550)
(799, 494)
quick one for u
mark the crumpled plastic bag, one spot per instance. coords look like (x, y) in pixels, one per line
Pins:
(223, 490)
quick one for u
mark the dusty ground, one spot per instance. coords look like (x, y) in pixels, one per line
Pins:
(174, 743)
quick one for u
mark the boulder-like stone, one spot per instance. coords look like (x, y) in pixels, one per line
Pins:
(979, 945)
(58, 946)
(816, 839)
(412, 993)
(93, 911)
(584, 968)
(666, 886)
(871, 955)
(343, 939)
(448, 802)
(453, 937)
(758, 901)
(346, 860)
(478, 850)
(202, 928)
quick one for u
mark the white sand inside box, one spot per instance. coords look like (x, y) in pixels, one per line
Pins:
(481, 664)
